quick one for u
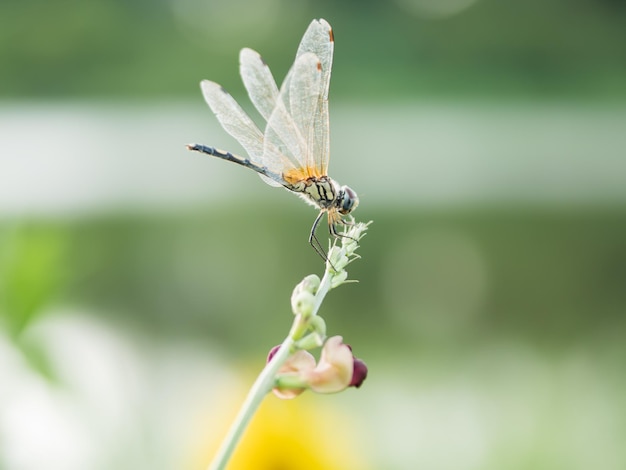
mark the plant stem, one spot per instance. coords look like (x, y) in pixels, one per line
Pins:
(322, 290)
(261, 387)
(266, 379)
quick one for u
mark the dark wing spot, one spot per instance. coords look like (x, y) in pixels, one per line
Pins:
(319, 66)
(331, 35)
(223, 90)
(262, 60)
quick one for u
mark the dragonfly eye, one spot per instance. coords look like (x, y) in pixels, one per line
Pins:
(349, 200)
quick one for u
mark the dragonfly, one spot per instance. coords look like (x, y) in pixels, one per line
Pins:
(294, 150)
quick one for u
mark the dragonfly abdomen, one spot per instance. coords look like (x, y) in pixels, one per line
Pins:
(225, 155)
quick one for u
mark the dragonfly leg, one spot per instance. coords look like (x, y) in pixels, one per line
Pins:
(349, 223)
(314, 241)
(332, 227)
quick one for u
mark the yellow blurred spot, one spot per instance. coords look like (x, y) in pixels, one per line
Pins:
(305, 433)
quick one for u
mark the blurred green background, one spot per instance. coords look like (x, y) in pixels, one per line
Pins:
(141, 284)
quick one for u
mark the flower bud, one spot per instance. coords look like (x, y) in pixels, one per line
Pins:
(339, 278)
(311, 283)
(272, 353)
(338, 259)
(317, 324)
(302, 303)
(359, 373)
(310, 341)
(336, 370)
(333, 373)
(289, 381)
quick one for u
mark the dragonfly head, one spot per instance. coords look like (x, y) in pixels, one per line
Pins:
(347, 200)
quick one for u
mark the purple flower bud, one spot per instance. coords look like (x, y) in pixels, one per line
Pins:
(272, 353)
(359, 373)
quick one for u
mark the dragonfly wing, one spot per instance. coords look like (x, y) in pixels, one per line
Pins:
(238, 124)
(319, 138)
(259, 82)
(233, 118)
(319, 40)
(264, 94)
(283, 139)
(304, 97)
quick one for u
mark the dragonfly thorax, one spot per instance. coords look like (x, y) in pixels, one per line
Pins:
(325, 193)
(321, 192)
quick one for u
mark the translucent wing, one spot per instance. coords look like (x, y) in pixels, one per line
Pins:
(304, 97)
(259, 82)
(238, 124)
(263, 92)
(296, 135)
(319, 40)
(233, 118)
(293, 117)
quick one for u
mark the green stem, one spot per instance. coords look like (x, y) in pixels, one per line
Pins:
(322, 290)
(262, 385)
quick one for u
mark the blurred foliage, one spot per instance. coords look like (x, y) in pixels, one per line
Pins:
(72, 48)
(32, 275)
(429, 279)
(32, 270)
